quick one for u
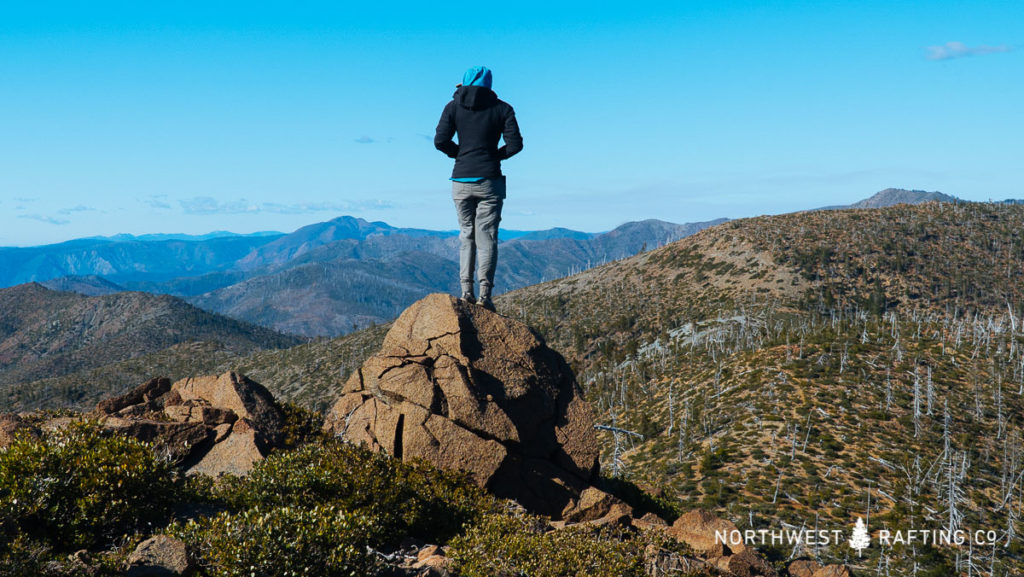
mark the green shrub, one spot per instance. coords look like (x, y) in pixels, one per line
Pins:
(22, 556)
(503, 544)
(80, 487)
(301, 425)
(282, 541)
(405, 499)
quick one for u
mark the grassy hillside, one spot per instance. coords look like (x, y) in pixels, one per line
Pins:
(309, 374)
(812, 368)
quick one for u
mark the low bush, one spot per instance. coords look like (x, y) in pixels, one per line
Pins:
(80, 487)
(322, 540)
(404, 499)
(503, 544)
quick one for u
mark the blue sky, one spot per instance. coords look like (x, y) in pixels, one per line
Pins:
(135, 117)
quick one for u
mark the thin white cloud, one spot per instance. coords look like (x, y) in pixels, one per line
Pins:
(210, 205)
(72, 210)
(156, 201)
(951, 50)
(306, 208)
(46, 219)
(206, 205)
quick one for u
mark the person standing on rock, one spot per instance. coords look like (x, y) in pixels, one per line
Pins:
(479, 119)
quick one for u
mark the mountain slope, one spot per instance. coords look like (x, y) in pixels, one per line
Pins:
(89, 285)
(894, 196)
(335, 297)
(793, 369)
(45, 333)
(317, 286)
(122, 261)
(307, 238)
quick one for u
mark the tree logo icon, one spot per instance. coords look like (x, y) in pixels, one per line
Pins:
(860, 539)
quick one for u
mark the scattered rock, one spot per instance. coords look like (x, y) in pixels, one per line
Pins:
(233, 393)
(746, 563)
(620, 515)
(146, 396)
(659, 562)
(57, 423)
(235, 454)
(432, 558)
(177, 440)
(833, 571)
(803, 568)
(212, 425)
(160, 556)
(650, 521)
(80, 563)
(706, 534)
(11, 425)
(428, 552)
(465, 388)
(714, 540)
(592, 504)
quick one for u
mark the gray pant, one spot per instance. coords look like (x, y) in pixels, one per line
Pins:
(478, 205)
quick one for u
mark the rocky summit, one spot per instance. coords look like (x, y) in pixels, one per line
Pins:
(467, 389)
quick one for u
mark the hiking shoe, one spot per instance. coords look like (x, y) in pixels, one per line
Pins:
(469, 298)
(487, 303)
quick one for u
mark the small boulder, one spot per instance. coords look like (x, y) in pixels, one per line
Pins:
(746, 563)
(160, 556)
(650, 521)
(833, 571)
(803, 568)
(658, 562)
(706, 534)
(235, 454)
(593, 503)
(433, 558)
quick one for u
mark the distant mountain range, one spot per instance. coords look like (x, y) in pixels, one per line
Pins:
(329, 278)
(324, 279)
(894, 196)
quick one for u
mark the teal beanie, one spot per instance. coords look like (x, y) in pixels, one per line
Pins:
(477, 76)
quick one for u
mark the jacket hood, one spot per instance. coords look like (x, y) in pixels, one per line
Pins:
(475, 97)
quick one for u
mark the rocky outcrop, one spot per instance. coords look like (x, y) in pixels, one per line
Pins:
(709, 536)
(465, 388)
(213, 425)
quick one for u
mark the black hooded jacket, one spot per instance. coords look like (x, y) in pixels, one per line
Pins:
(480, 119)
